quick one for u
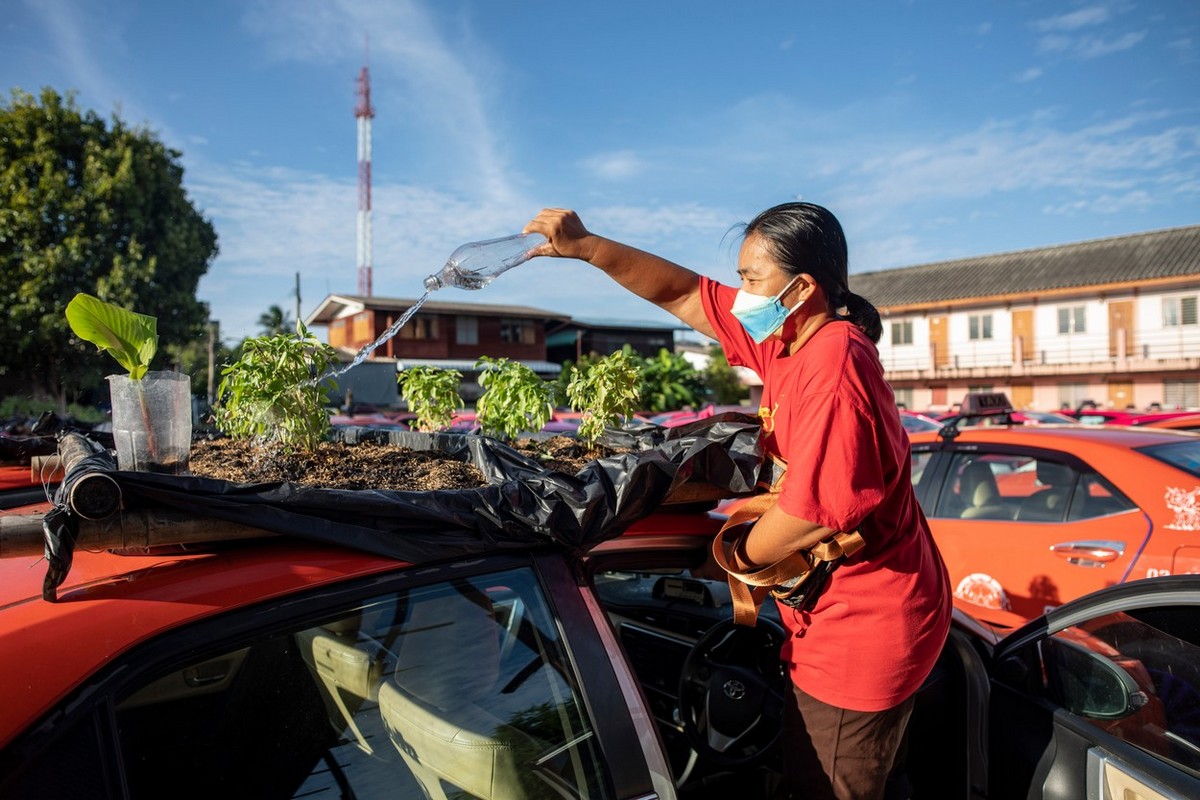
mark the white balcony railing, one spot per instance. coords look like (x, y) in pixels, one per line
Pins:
(1172, 348)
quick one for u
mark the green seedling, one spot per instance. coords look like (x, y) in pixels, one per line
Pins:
(514, 399)
(604, 394)
(129, 337)
(431, 394)
(273, 391)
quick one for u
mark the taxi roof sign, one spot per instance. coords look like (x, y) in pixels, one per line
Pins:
(976, 405)
(984, 403)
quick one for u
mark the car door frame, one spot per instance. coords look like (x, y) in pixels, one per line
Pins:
(1032, 742)
(936, 477)
(633, 762)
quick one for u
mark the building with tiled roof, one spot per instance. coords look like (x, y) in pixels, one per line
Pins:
(454, 335)
(1113, 321)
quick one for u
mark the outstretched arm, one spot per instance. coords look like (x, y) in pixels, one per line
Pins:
(669, 286)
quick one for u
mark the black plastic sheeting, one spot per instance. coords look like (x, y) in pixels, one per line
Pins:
(523, 505)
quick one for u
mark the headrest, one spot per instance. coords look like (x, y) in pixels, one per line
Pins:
(1051, 473)
(986, 492)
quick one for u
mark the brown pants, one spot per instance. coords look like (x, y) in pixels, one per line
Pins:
(831, 753)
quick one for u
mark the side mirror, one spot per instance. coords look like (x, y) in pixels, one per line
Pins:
(1088, 683)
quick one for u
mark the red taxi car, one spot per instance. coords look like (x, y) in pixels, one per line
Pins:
(1028, 517)
(282, 668)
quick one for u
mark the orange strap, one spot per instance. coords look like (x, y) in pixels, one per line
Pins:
(749, 589)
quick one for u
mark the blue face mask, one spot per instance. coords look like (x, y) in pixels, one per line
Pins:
(761, 316)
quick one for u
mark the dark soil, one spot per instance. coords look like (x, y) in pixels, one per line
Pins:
(335, 465)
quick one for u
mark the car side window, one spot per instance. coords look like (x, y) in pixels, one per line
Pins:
(919, 461)
(1023, 487)
(461, 688)
(982, 486)
(1133, 679)
(1095, 497)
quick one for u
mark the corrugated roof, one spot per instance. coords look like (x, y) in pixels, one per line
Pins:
(335, 304)
(630, 324)
(468, 365)
(1135, 257)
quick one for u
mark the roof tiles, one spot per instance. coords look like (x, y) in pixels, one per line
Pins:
(1136, 257)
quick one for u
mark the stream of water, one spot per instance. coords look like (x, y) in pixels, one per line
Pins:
(367, 349)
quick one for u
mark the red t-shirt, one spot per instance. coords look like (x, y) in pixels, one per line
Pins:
(875, 633)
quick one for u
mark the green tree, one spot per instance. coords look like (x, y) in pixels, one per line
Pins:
(275, 321)
(89, 206)
(669, 382)
(722, 380)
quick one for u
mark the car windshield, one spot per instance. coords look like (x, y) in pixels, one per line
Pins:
(1184, 455)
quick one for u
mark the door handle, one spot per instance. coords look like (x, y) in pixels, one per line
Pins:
(1089, 553)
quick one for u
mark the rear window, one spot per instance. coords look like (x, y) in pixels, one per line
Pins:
(1184, 455)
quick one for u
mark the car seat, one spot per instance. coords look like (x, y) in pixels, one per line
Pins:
(977, 488)
(1049, 504)
(350, 667)
(448, 663)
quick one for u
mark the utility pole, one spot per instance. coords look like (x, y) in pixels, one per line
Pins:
(213, 325)
(363, 112)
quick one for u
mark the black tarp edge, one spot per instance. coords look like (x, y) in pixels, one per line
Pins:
(524, 504)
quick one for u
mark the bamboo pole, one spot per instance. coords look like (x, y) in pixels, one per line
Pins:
(21, 534)
(95, 495)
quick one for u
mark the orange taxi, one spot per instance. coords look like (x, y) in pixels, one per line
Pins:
(1029, 517)
(1184, 422)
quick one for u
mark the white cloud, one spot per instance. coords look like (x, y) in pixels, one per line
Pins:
(1063, 35)
(1082, 18)
(1097, 47)
(1031, 74)
(615, 166)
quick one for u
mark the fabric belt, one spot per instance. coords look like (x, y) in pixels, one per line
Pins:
(794, 580)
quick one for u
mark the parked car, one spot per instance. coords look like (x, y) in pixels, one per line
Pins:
(1183, 422)
(19, 486)
(670, 419)
(1104, 416)
(373, 420)
(1028, 517)
(916, 422)
(281, 668)
(1027, 417)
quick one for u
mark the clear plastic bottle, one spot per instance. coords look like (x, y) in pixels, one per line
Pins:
(476, 264)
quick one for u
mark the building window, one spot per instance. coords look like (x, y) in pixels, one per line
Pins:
(1181, 394)
(904, 396)
(1072, 395)
(902, 332)
(420, 327)
(979, 326)
(466, 330)
(1179, 311)
(517, 331)
(1072, 319)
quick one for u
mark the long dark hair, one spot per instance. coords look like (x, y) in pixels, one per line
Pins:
(805, 237)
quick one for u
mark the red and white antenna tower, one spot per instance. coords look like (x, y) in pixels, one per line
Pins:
(363, 111)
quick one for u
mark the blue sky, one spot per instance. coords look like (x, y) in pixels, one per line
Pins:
(934, 129)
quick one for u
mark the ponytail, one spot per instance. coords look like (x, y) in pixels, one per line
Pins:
(862, 313)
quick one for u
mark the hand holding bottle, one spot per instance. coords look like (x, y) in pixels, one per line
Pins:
(568, 238)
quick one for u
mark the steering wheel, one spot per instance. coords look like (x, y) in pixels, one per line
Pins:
(731, 693)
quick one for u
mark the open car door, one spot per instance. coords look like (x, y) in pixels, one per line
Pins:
(1100, 698)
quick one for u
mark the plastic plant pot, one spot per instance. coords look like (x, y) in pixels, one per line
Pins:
(152, 422)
